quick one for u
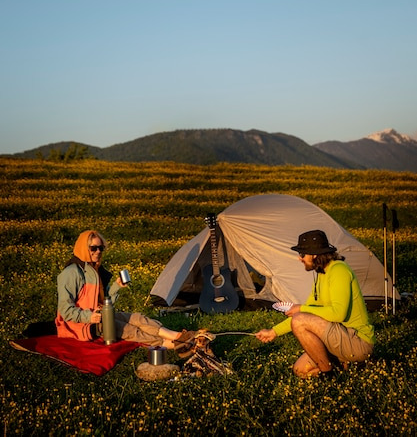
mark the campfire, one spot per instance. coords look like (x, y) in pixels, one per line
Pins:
(203, 362)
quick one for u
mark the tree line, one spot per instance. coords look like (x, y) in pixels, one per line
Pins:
(75, 152)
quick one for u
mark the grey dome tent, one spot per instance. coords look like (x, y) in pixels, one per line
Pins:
(254, 238)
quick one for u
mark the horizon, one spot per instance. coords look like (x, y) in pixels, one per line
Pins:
(101, 74)
(373, 134)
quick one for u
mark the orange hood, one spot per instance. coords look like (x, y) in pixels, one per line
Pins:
(81, 250)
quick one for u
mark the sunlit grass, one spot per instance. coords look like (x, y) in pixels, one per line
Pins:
(147, 212)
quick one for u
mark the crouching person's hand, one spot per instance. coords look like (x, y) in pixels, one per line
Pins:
(266, 335)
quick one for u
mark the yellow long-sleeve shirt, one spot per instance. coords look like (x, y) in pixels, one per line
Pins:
(336, 296)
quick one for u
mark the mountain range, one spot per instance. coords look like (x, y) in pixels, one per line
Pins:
(387, 149)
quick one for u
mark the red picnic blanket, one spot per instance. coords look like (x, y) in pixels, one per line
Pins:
(86, 356)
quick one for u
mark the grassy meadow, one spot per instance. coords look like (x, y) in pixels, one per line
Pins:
(147, 211)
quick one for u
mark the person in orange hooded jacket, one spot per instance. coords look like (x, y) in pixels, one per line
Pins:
(81, 288)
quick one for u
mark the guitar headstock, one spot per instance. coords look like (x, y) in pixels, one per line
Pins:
(211, 220)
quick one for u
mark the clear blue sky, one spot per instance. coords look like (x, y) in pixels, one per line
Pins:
(104, 72)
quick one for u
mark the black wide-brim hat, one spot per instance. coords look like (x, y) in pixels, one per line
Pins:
(313, 243)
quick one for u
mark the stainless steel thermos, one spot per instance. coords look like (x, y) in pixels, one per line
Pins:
(107, 313)
(107, 318)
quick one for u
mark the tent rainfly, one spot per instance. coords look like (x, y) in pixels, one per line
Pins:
(254, 236)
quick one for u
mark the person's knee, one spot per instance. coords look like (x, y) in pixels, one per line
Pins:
(299, 369)
(305, 369)
(296, 370)
(297, 322)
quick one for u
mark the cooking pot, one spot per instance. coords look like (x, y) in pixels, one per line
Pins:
(157, 355)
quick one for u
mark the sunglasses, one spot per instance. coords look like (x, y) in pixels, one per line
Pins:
(301, 255)
(95, 248)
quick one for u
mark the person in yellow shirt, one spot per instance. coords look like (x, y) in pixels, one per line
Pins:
(333, 323)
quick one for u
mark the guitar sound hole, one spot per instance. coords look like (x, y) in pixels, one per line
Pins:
(217, 281)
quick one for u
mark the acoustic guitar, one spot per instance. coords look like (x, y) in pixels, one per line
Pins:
(218, 294)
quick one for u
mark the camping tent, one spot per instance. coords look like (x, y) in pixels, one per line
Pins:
(254, 238)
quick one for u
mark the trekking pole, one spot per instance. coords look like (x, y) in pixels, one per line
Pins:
(395, 226)
(384, 216)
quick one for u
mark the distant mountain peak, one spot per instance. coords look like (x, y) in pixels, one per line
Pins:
(390, 136)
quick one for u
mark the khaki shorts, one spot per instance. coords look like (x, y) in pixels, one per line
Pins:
(139, 328)
(345, 344)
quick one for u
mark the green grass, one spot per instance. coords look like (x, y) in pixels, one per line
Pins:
(147, 212)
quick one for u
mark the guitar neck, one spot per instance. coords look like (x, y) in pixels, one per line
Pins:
(214, 254)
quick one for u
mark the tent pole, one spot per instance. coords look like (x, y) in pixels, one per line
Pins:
(395, 225)
(384, 216)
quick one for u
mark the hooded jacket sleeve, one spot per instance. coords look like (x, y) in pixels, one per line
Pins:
(114, 292)
(70, 282)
